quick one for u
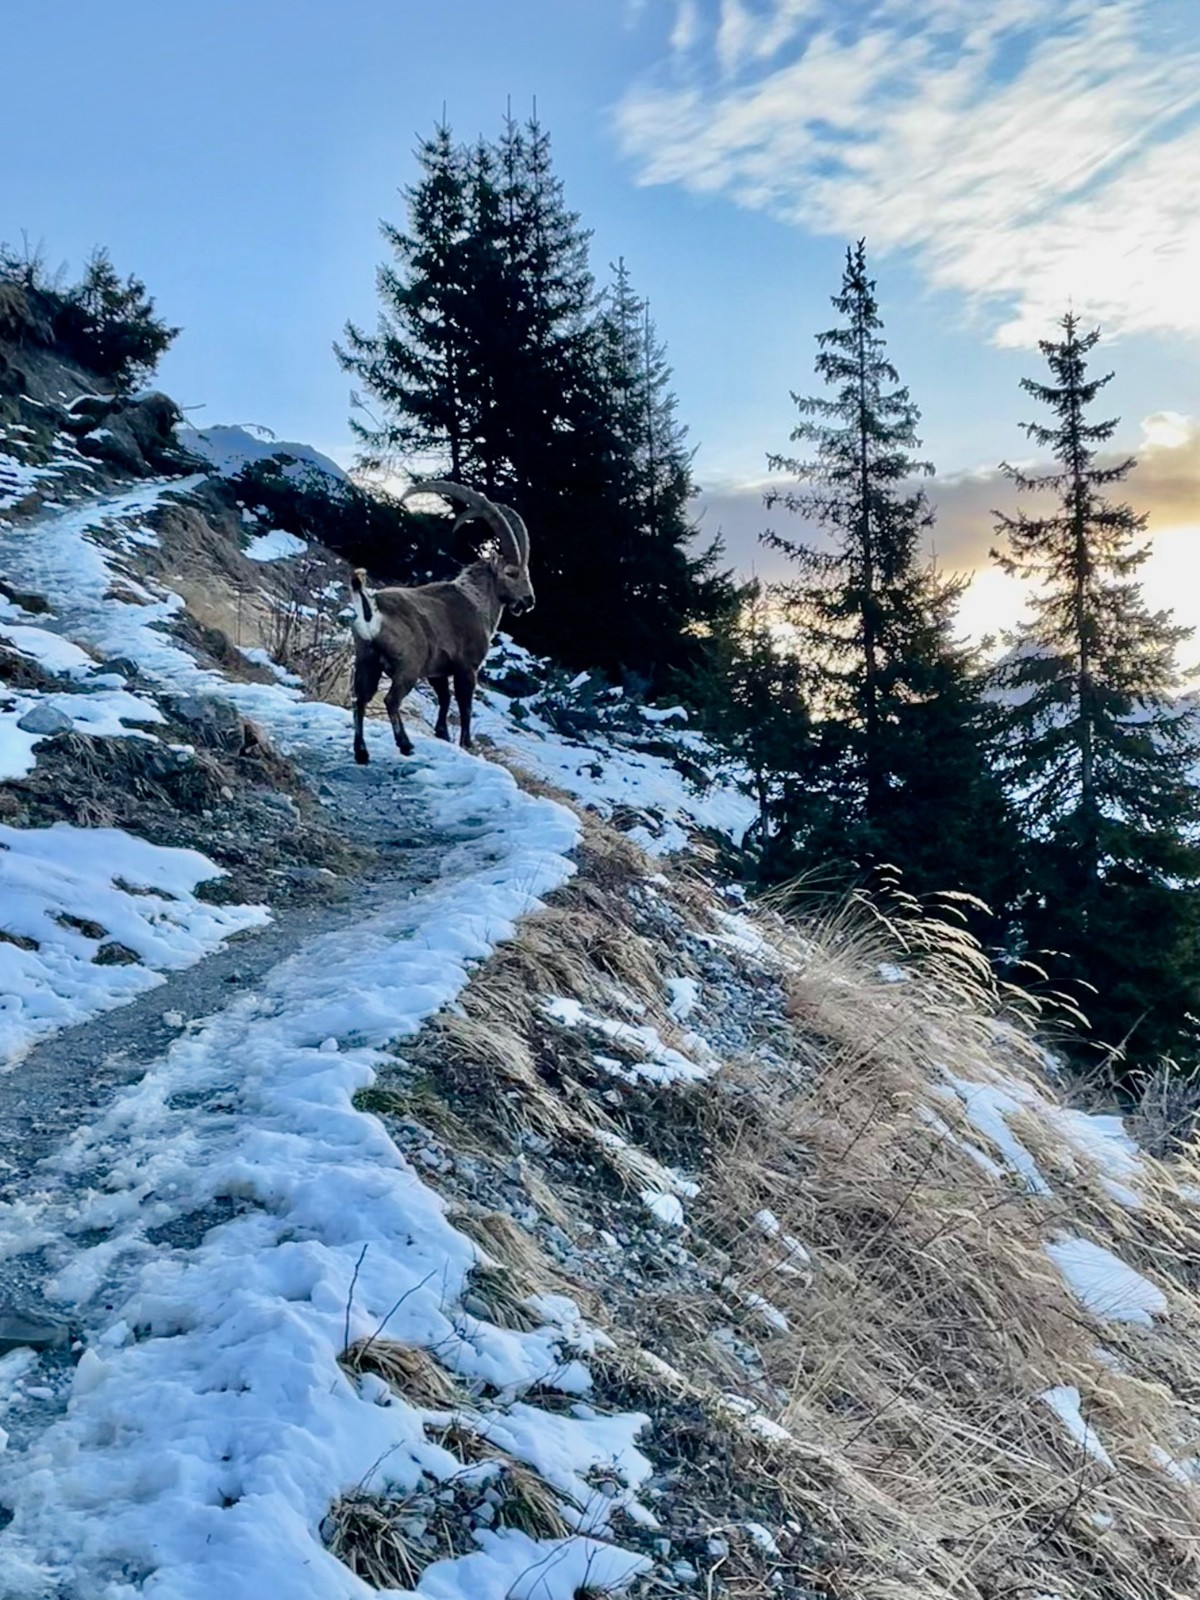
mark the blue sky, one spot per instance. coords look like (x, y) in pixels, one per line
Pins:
(1001, 156)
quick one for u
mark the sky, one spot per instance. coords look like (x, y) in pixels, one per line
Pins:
(1004, 159)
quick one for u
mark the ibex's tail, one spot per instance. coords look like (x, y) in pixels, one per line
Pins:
(366, 621)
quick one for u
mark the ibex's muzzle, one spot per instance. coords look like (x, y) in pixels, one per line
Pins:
(520, 607)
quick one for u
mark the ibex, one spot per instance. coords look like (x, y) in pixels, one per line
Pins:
(440, 631)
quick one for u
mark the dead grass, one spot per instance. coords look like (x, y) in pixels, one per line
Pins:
(510, 1245)
(530, 1504)
(932, 1318)
(496, 1294)
(304, 635)
(408, 1371)
(867, 1367)
(366, 1533)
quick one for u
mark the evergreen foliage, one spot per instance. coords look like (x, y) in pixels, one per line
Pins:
(900, 730)
(369, 527)
(1099, 752)
(750, 690)
(104, 323)
(497, 362)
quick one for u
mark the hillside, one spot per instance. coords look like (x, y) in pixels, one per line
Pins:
(434, 1177)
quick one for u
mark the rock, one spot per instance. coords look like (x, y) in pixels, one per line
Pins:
(136, 434)
(281, 804)
(19, 1330)
(122, 665)
(219, 721)
(114, 444)
(90, 410)
(46, 720)
(115, 954)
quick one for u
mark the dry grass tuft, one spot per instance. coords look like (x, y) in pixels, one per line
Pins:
(366, 1533)
(530, 1504)
(480, 1059)
(408, 1371)
(495, 1294)
(463, 1441)
(512, 1246)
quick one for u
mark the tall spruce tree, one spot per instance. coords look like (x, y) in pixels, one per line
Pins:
(666, 586)
(1100, 752)
(495, 362)
(751, 692)
(416, 364)
(904, 776)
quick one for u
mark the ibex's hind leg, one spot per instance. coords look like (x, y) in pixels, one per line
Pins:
(368, 669)
(464, 690)
(392, 701)
(441, 687)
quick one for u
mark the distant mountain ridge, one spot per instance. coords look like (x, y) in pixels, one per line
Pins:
(230, 447)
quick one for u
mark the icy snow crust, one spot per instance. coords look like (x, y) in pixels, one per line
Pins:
(209, 1427)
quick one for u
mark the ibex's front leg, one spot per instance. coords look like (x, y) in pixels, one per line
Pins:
(391, 700)
(368, 669)
(464, 691)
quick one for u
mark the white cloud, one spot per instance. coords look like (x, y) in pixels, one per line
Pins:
(1028, 153)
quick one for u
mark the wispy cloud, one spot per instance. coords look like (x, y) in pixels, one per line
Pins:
(1027, 153)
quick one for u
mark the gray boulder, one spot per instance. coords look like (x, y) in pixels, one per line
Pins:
(46, 720)
(217, 722)
(20, 1331)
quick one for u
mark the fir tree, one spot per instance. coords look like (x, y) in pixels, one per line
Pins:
(1099, 750)
(108, 324)
(667, 587)
(495, 362)
(903, 772)
(415, 365)
(751, 693)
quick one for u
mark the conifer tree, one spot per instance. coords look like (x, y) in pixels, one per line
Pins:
(415, 365)
(496, 362)
(1099, 750)
(751, 693)
(904, 773)
(671, 587)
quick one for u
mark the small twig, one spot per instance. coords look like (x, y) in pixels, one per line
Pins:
(350, 1296)
(394, 1309)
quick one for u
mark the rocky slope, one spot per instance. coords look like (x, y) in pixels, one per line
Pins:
(431, 1177)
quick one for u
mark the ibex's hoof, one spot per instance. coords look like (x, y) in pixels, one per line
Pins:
(442, 733)
(361, 757)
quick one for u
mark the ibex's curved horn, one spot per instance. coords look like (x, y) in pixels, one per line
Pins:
(519, 531)
(477, 506)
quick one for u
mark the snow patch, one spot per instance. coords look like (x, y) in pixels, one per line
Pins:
(49, 874)
(274, 546)
(1064, 1401)
(1103, 1284)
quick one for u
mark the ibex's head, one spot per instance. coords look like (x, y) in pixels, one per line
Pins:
(511, 564)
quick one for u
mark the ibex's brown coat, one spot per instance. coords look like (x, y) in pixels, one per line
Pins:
(440, 631)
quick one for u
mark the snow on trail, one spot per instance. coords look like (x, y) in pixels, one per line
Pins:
(68, 894)
(209, 1428)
